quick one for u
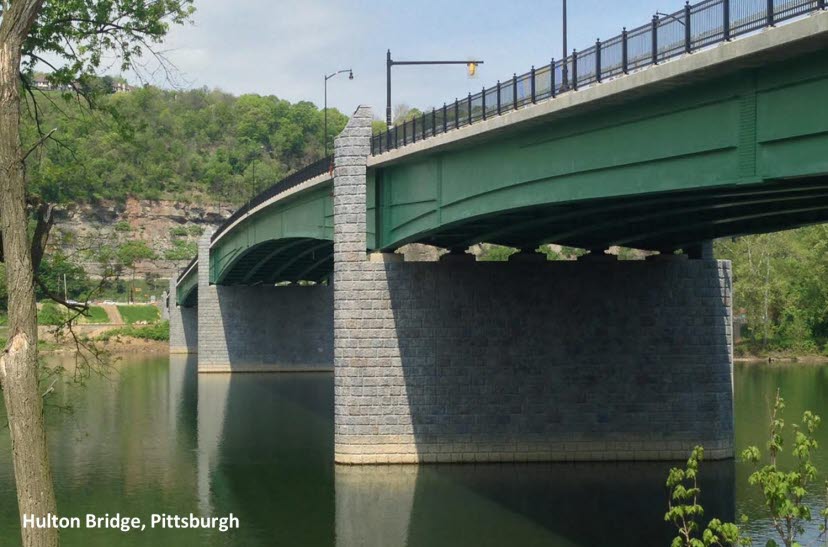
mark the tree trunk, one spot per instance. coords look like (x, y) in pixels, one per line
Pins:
(18, 363)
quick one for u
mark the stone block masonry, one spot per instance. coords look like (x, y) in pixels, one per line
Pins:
(522, 361)
(183, 323)
(262, 328)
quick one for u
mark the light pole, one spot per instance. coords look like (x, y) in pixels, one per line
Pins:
(328, 77)
(390, 62)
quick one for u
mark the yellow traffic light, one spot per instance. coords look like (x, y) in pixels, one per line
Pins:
(472, 69)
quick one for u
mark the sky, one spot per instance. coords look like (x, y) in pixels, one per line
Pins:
(285, 47)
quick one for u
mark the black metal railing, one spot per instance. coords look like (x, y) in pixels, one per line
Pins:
(666, 36)
(294, 179)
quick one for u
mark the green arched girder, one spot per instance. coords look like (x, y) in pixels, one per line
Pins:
(291, 240)
(726, 155)
(186, 293)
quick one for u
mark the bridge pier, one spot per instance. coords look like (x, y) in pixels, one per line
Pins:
(463, 362)
(262, 328)
(183, 323)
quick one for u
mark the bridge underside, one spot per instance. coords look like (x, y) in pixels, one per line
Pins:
(282, 260)
(661, 221)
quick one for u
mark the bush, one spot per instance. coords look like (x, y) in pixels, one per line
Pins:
(51, 314)
(159, 331)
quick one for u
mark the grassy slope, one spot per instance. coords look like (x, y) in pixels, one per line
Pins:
(134, 314)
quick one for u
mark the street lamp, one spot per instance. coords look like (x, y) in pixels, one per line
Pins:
(472, 65)
(564, 67)
(328, 77)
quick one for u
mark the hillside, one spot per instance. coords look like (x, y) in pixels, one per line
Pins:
(182, 146)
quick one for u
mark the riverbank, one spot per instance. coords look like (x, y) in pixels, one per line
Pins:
(112, 338)
(783, 359)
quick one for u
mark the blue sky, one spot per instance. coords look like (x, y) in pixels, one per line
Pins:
(284, 47)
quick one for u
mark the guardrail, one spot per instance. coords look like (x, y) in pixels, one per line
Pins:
(667, 36)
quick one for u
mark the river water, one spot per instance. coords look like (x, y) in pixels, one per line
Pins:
(156, 438)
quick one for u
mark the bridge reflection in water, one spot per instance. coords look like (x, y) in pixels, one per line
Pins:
(265, 452)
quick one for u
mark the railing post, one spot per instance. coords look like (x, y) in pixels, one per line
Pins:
(414, 129)
(655, 39)
(483, 101)
(405, 133)
(769, 13)
(433, 121)
(688, 37)
(726, 20)
(598, 61)
(396, 137)
(456, 113)
(380, 144)
(445, 118)
(574, 70)
(514, 90)
(532, 85)
(424, 125)
(552, 84)
(498, 97)
(470, 112)
(625, 68)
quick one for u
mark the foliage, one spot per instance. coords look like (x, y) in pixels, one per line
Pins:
(53, 268)
(495, 253)
(780, 282)
(785, 492)
(158, 331)
(152, 143)
(137, 314)
(181, 250)
(122, 226)
(684, 510)
(565, 253)
(52, 315)
(133, 251)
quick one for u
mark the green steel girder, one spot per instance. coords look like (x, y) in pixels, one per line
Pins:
(186, 293)
(275, 243)
(742, 153)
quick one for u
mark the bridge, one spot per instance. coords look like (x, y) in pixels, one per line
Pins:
(707, 123)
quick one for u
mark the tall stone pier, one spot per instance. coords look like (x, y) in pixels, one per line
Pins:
(460, 361)
(262, 328)
(183, 323)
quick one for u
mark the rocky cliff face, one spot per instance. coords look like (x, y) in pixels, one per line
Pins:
(169, 228)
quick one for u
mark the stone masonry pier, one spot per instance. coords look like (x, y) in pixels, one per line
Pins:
(458, 361)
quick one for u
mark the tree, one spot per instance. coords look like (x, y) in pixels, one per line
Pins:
(129, 254)
(75, 36)
(785, 492)
(684, 510)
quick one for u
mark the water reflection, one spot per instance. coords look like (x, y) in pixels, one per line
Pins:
(157, 437)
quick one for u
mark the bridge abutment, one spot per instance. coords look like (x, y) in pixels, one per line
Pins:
(183, 323)
(262, 328)
(458, 361)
